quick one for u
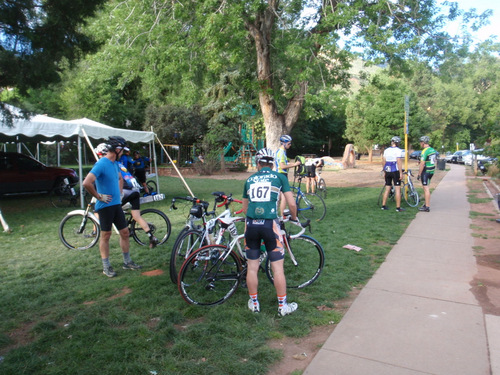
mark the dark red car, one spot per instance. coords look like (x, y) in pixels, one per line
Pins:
(22, 174)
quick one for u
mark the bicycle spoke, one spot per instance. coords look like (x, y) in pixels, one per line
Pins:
(184, 246)
(159, 226)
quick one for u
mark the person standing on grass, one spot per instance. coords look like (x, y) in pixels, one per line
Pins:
(260, 204)
(426, 170)
(393, 171)
(104, 182)
(282, 165)
(139, 164)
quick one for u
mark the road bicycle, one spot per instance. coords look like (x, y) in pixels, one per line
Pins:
(213, 273)
(309, 205)
(408, 191)
(194, 236)
(321, 189)
(80, 229)
(65, 194)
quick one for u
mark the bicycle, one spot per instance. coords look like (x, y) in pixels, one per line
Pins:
(65, 194)
(80, 229)
(213, 273)
(309, 205)
(193, 236)
(408, 190)
(321, 189)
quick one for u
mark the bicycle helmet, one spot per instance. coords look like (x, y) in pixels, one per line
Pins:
(101, 149)
(285, 139)
(425, 139)
(265, 155)
(396, 139)
(115, 142)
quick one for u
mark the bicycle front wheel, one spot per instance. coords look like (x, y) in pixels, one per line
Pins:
(311, 206)
(159, 226)
(79, 232)
(185, 244)
(411, 195)
(321, 190)
(209, 276)
(306, 264)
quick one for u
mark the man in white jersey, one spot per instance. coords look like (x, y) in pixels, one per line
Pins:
(393, 172)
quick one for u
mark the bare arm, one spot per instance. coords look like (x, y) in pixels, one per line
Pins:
(245, 205)
(291, 204)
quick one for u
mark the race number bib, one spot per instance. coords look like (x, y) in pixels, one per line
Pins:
(260, 192)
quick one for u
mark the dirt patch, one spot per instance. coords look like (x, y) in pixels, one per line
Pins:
(153, 273)
(486, 233)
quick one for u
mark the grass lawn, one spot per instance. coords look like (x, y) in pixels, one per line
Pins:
(60, 315)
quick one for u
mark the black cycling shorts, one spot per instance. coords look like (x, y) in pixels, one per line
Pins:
(311, 171)
(392, 178)
(133, 197)
(140, 174)
(426, 178)
(262, 230)
(112, 215)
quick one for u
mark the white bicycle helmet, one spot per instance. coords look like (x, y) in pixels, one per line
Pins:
(101, 149)
(285, 138)
(265, 155)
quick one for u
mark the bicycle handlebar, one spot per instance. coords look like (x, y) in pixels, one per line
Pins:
(303, 226)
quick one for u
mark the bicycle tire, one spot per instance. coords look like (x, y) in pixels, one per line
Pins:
(390, 197)
(185, 244)
(79, 232)
(209, 276)
(159, 226)
(411, 195)
(311, 206)
(152, 187)
(381, 196)
(310, 258)
(321, 189)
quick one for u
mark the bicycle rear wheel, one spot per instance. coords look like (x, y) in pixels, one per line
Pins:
(79, 232)
(310, 259)
(311, 206)
(321, 190)
(411, 195)
(159, 226)
(209, 276)
(185, 244)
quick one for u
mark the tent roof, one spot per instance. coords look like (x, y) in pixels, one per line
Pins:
(42, 127)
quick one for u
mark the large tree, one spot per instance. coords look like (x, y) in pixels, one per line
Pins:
(281, 48)
(35, 35)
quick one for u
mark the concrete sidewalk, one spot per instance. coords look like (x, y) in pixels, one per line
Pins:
(417, 314)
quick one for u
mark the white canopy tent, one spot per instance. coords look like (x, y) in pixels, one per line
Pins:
(42, 128)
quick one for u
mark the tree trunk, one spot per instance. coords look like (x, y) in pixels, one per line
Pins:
(276, 124)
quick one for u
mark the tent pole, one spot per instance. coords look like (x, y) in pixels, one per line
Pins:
(175, 167)
(80, 170)
(152, 145)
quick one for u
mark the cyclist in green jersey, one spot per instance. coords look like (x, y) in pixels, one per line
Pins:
(260, 204)
(426, 170)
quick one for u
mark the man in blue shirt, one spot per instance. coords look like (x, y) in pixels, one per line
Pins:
(104, 182)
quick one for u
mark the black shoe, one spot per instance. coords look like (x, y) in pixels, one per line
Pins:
(424, 208)
(131, 266)
(399, 209)
(384, 208)
(109, 272)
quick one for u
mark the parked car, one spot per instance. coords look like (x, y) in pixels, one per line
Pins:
(415, 155)
(21, 174)
(448, 156)
(467, 159)
(457, 156)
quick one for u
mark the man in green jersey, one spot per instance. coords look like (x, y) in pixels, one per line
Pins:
(260, 204)
(426, 170)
